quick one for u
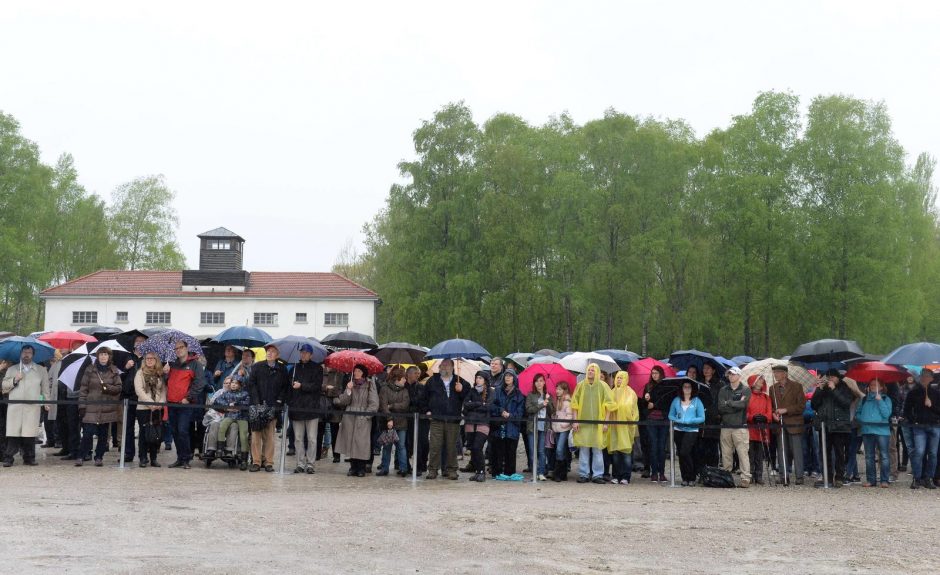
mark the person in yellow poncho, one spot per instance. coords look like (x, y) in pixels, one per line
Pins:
(592, 400)
(620, 438)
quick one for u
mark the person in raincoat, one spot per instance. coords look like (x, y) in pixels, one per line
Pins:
(620, 437)
(592, 400)
(26, 380)
(354, 439)
(759, 416)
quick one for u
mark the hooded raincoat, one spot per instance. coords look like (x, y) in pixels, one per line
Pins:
(621, 437)
(591, 400)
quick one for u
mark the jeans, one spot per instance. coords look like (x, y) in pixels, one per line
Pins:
(658, 436)
(925, 442)
(180, 420)
(540, 449)
(881, 441)
(590, 462)
(561, 446)
(851, 456)
(756, 455)
(811, 454)
(89, 430)
(401, 451)
(622, 465)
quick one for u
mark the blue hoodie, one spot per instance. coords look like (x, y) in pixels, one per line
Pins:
(513, 403)
(870, 410)
(690, 419)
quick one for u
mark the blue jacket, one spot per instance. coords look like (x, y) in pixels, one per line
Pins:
(870, 410)
(513, 403)
(690, 419)
(238, 398)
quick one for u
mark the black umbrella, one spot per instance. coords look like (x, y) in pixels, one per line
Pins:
(666, 390)
(99, 332)
(827, 350)
(685, 358)
(399, 352)
(349, 340)
(126, 338)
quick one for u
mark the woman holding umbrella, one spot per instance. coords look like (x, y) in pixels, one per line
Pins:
(655, 429)
(539, 401)
(687, 413)
(101, 384)
(874, 413)
(354, 439)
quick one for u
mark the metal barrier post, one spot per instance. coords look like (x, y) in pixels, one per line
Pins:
(825, 454)
(124, 433)
(414, 451)
(284, 439)
(672, 454)
(535, 448)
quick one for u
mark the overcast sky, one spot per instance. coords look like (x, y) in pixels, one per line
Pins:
(284, 121)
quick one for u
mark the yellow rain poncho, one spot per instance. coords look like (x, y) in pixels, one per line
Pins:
(621, 437)
(591, 401)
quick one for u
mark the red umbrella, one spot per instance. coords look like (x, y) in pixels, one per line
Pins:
(346, 360)
(553, 372)
(640, 373)
(870, 370)
(65, 339)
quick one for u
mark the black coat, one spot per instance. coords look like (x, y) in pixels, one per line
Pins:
(916, 412)
(834, 406)
(127, 385)
(268, 385)
(439, 404)
(304, 402)
(476, 409)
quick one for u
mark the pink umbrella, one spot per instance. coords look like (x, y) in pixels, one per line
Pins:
(553, 372)
(640, 372)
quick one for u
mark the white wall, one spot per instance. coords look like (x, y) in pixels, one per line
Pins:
(238, 311)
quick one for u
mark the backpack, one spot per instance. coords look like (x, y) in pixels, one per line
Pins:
(716, 477)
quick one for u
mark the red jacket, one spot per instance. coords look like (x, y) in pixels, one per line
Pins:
(759, 405)
(185, 380)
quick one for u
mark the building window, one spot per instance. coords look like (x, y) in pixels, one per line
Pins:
(300, 318)
(158, 318)
(211, 318)
(265, 318)
(120, 317)
(336, 319)
(218, 244)
(85, 317)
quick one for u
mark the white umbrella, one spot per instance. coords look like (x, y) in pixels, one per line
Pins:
(579, 361)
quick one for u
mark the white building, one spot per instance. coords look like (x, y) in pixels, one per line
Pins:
(218, 295)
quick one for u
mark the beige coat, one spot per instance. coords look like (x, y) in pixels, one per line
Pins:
(23, 419)
(354, 439)
(143, 391)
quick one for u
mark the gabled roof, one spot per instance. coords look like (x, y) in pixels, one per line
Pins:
(140, 283)
(220, 233)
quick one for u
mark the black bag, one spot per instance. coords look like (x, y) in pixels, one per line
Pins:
(716, 477)
(153, 434)
(259, 416)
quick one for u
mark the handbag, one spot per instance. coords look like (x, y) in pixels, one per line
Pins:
(388, 437)
(153, 432)
(259, 416)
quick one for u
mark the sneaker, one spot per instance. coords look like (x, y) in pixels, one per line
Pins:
(654, 479)
(310, 470)
(615, 482)
(662, 478)
(542, 477)
(867, 484)
(884, 485)
(299, 469)
(175, 464)
(502, 477)
(269, 468)
(580, 479)
(243, 465)
(186, 465)
(745, 483)
(154, 464)
(382, 473)
(255, 467)
(598, 480)
(431, 475)
(914, 484)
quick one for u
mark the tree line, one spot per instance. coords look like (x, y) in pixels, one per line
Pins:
(630, 232)
(53, 230)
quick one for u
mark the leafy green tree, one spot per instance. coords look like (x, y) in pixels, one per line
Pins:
(143, 225)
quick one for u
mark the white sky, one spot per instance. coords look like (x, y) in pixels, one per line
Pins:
(284, 121)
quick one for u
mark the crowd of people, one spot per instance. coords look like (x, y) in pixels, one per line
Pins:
(602, 428)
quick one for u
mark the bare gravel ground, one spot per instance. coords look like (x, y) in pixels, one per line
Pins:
(55, 517)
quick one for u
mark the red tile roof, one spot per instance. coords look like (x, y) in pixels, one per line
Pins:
(138, 283)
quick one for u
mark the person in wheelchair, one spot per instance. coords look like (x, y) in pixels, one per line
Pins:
(234, 404)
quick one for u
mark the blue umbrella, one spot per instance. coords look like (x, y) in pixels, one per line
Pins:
(454, 348)
(289, 348)
(682, 359)
(922, 353)
(740, 360)
(243, 335)
(621, 356)
(11, 347)
(725, 361)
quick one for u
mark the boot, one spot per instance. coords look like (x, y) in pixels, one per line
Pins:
(561, 471)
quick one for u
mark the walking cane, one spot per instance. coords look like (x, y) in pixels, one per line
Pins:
(124, 435)
(783, 440)
(672, 454)
(284, 440)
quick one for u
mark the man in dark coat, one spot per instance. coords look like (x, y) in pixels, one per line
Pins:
(303, 402)
(445, 395)
(267, 385)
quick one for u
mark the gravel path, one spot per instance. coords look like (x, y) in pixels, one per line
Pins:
(107, 520)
